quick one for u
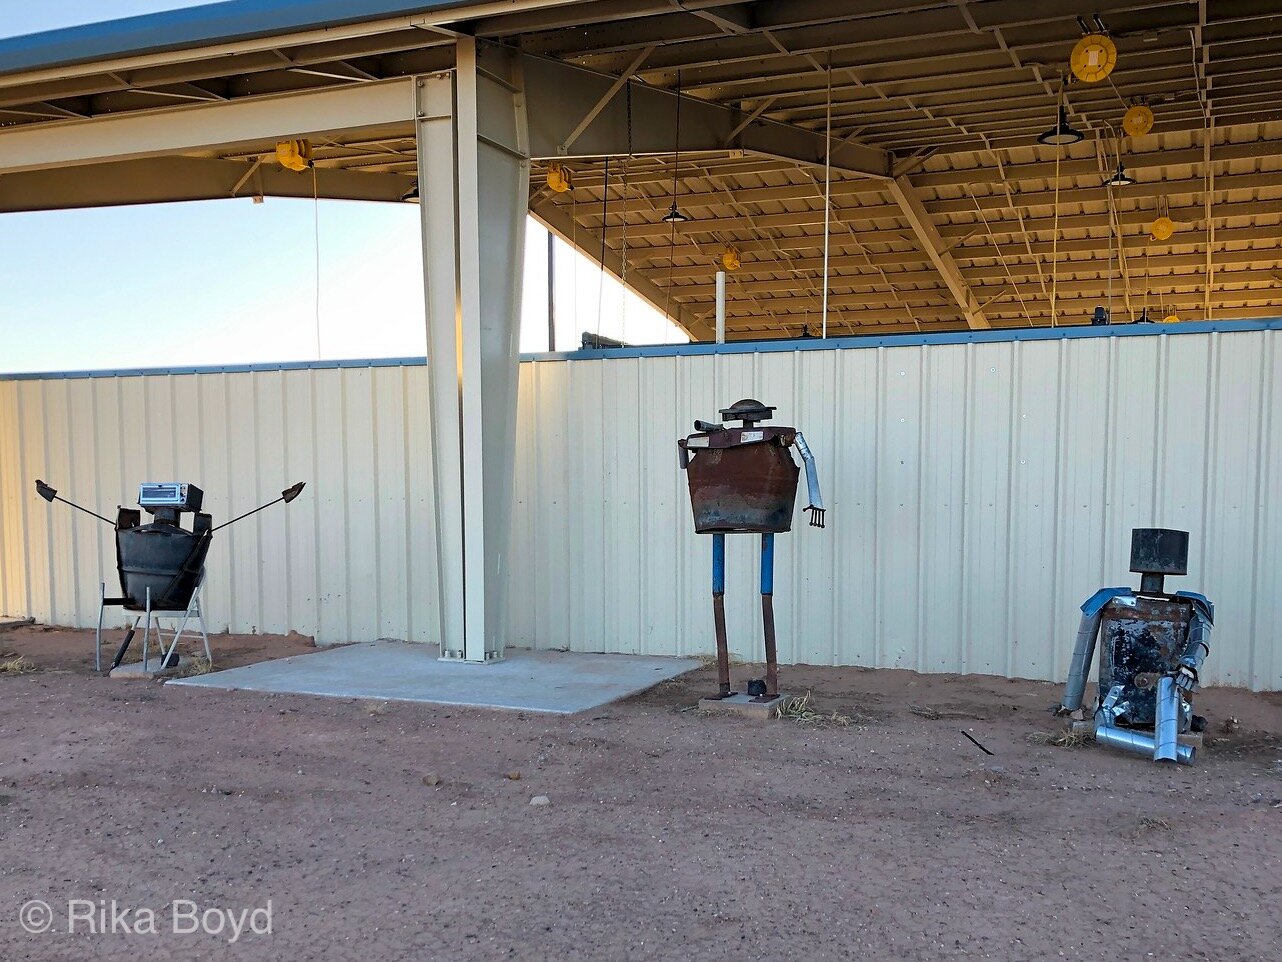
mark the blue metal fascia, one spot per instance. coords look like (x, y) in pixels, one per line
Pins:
(344, 363)
(205, 25)
(858, 342)
(865, 341)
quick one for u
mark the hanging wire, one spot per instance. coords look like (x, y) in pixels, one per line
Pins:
(316, 233)
(1000, 256)
(672, 232)
(627, 166)
(827, 193)
(1059, 151)
(600, 282)
(574, 243)
(1148, 277)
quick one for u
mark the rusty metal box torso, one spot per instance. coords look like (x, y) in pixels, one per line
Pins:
(742, 479)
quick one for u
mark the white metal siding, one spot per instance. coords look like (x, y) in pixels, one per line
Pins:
(978, 493)
(352, 559)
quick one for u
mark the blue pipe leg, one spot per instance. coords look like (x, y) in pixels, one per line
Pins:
(719, 613)
(768, 613)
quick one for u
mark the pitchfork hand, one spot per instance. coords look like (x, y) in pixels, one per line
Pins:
(816, 516)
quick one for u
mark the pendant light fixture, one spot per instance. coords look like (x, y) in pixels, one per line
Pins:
(674, 215)
(1063, 133)
(1120, 177)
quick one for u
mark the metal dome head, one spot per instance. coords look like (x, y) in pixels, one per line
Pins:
(748, 410)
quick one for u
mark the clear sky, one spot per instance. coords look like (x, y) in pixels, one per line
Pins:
(231, 281)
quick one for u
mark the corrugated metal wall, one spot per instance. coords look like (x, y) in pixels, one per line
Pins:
(352, 558)
(978, 493)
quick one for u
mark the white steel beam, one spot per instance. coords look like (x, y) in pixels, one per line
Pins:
(161, 180)
(473, 157)
(196, 126)
(901, 189)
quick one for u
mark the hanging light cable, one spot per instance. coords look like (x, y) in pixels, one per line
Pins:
(674, 215)
(1063, 133)
(605, 208)
(827, 194)
(623, 269)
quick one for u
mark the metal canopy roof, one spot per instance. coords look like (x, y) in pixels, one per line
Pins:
(980, 225)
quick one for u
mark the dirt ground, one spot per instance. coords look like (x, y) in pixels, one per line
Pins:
(389, 831)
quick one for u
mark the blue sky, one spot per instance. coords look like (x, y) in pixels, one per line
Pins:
(231, 281)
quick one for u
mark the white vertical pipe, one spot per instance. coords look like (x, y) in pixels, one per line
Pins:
(721, 307)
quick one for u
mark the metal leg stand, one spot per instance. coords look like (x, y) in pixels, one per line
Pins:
(97, 638)
(194, 610)
(719, 613)
(146, 635)
(768, 615)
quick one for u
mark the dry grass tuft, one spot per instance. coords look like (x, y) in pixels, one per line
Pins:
(799, 709)
(194, 666)
(22, 665)
(1067, 738)
(710, 661)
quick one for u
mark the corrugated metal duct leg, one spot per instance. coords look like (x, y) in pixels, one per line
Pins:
(473, 163)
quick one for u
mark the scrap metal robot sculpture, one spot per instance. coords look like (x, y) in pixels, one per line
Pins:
(1153, 646)
(744, 480)
(161, 564)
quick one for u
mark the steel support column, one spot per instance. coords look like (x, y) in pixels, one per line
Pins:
(474, 171)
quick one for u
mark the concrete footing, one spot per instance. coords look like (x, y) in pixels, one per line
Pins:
(133, 671)
(745, 705)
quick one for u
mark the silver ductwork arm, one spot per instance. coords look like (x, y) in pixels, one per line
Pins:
(1080, 668)
(1195, 652)
(816, 505)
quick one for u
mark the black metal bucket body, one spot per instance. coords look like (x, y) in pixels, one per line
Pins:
(1141, 639)
(163, 557)
(742, 480)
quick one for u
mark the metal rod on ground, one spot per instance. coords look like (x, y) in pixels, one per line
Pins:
(721, 307)
(719, 611)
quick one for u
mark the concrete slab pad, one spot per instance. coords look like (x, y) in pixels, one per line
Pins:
(745, 705)
(557, 682)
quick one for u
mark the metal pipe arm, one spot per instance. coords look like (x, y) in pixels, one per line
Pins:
(816, 505)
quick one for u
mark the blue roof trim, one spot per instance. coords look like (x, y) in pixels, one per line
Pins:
(860, 342)
(345, 363)
(864, 341)
(213, 23)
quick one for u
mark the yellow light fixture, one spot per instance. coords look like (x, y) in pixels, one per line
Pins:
(1093, 58)
(558, 178)
(1162, 229)
(294, 154)
(1138, 120)
(730, 259)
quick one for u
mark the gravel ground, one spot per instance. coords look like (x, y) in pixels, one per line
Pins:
(389, 831)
